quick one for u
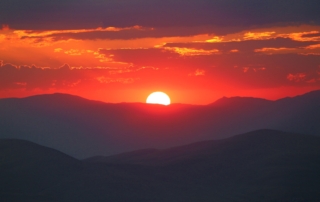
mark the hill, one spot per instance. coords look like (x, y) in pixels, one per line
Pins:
(263, 165)
(28, 169)
(84, 128)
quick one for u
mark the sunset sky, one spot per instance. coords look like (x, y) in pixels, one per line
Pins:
(196, 51)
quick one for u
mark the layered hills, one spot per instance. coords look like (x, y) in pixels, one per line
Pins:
(83, 128)
(263, 165)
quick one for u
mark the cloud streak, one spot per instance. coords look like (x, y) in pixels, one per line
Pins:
(202, 47)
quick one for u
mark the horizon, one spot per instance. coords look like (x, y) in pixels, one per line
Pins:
(159, 100)
(196, 52)
(172, 103)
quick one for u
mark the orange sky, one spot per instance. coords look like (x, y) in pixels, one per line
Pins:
(194, 64)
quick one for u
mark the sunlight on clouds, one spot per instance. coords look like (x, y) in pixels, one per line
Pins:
(312, 50)
(258, 35)
(234, 51)
(46, 33)
(198, 72)
(316, 46)
(75, 52)
(106, 80)
(215, 39)
(57, 50)
(276, 50)
(2, 37)
(39, 38)
(308, 50)
(192, 51)
(302, 36)
(298, 33)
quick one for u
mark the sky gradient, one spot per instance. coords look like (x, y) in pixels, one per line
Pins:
(196, 51)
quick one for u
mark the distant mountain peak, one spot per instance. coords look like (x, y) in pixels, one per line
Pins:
(239, 101)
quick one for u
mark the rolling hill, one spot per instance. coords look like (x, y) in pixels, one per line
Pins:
(83, 128)
(263, 165)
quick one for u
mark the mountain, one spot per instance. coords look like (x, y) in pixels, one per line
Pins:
(83, 128)
(263, 165)
(28, 169)
(256, 144)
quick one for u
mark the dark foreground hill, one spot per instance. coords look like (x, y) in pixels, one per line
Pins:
(83, 128)
(263, 165)
(28, 169)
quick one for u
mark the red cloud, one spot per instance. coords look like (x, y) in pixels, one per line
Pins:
(5, 27)
(296, 77)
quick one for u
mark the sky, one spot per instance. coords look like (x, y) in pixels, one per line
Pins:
(196, 51)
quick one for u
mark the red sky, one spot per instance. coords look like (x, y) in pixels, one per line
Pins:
(196, 52)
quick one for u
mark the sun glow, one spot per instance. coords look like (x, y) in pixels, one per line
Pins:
(158, 98)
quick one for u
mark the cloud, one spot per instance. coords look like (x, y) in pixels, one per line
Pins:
(302, 36)
(62, 14)
(244, 46)
(281, 50)
(29, 78)
(107, 80)
(259, 35)
(5, 27)
(296, 77)
(192, 51)
(198, 72)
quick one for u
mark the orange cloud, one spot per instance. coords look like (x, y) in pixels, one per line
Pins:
(37, 33)
(302, 36)
(276, 50)
(192, 51)
(74, 52)
(258, 35)
(198, 72)
(234, 51)
(315, 46)
(107, 80)
(215, 39)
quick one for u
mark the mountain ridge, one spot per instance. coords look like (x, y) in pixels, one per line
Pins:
(263, 165)
(84, 128)
(259, 137)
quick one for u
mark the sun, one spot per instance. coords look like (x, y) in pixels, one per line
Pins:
(158, 98)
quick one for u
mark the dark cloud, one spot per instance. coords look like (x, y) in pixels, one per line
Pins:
(245, 46)
(247, 69)
(144, 57)
(72, 14)
(310, 35)
(32, 77)
(135, 34)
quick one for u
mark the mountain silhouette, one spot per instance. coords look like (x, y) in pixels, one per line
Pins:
(27, 169)
(83, 128)
(263, 165)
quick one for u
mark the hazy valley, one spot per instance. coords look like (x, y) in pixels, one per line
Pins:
(65, 148)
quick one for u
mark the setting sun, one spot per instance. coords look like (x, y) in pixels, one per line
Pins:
(158, 98)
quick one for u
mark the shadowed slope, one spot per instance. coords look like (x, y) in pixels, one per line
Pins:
(264, 165)
(84, 128)
(28, 169)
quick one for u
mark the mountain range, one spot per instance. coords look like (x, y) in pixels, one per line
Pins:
(84, 128)
(262, 165)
